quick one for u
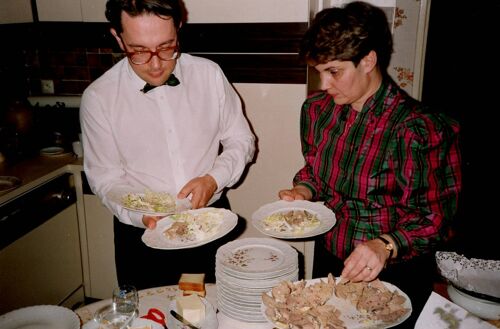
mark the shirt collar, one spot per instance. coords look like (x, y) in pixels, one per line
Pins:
(138, 83)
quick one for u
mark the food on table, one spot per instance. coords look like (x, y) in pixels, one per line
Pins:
(192, 283)
(373, 298)
(189, 226)
(161, 202)
(295, 305)
(292, 221)
(191, 308)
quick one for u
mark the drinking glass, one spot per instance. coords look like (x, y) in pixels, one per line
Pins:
(126, 299)
(110, 317)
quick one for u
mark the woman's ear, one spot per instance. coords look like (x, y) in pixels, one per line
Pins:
(118, 39)
(369, 62)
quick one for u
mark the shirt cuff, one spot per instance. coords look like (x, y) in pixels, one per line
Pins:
(136, 219)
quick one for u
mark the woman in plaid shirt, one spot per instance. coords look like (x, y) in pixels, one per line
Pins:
(387, 167)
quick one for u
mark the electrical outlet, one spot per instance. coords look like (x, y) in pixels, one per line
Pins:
(47, 86)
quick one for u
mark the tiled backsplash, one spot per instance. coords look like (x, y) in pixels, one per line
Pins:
(74, 54)
(70, 54)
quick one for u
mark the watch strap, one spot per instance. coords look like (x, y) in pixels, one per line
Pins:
(388, 246)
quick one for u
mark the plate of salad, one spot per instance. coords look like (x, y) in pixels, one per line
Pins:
(293, 219)
(148, 202)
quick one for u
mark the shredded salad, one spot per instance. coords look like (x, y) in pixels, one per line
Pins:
(293, 221)
(188, 226)
(161, 202)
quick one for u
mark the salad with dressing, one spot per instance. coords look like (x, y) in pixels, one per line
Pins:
(295, 221)
(161, 202)
(198, 226)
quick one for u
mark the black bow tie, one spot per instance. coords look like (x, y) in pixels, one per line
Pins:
(171, 81)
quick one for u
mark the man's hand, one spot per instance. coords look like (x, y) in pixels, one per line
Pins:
(201, 189)
(150, 221)
(299, 192)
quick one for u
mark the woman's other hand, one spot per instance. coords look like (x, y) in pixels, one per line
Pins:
(298, 192)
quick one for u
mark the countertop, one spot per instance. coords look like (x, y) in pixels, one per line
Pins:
(38, 170)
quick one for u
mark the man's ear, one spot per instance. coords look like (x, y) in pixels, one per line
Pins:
(369, 62)
(117, 37)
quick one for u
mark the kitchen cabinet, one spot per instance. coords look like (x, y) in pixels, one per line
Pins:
(101, 248)
(15, 11)
(40, 257)
(71, 10)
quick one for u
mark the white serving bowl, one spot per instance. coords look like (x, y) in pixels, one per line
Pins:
(482, 308)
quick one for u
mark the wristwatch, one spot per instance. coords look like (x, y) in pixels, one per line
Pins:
(388, 246)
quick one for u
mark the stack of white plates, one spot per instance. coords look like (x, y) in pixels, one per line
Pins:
(245, 269)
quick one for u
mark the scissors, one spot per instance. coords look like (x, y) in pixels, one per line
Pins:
(156, 315)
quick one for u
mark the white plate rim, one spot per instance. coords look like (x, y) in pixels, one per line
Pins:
(63, 317)
(325, 215)
(227, 251)
(92, 324)
(157, 240)
(367, 323)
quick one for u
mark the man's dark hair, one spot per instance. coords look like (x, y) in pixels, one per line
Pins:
(169, 8)
(348, 34)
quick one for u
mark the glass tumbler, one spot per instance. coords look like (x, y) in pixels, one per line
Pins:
(126, 299)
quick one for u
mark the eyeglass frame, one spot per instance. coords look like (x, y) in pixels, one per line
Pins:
(156, 53)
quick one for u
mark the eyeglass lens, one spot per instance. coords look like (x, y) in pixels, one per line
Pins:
(143, 57)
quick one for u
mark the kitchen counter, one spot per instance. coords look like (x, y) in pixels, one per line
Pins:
(38, 170)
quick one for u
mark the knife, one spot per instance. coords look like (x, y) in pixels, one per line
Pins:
(185, 322)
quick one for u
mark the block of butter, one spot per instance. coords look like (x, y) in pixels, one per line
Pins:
(191, 308)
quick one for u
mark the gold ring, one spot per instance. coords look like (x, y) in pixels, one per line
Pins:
(368, 268)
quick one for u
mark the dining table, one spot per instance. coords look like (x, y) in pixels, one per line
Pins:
(161, 297)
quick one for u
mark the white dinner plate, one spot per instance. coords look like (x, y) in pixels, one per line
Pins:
(354, 319)
(325, 215)
(210, 321)
(156, 238)
(40, 317)
(180, 204)
(52, 151)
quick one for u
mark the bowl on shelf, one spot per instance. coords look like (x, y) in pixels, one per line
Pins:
(483, 308)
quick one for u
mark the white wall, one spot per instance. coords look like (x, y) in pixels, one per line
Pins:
(273, 111)
(247, 11)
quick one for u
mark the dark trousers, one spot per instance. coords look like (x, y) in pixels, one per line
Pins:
(145, 267)
(414, 277)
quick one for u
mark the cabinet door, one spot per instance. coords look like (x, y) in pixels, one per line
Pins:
(59, 10)
(44, 266)
(101, 248)
(15, 11)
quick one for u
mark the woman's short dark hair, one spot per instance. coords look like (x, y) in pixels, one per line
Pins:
(348, 34)
(169, 8)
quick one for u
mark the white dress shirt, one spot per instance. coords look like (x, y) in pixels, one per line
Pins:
(162, 139)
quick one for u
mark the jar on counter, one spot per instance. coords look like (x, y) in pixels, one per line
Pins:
(20, 116)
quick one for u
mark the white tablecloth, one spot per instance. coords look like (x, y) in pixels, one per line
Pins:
(161, 297)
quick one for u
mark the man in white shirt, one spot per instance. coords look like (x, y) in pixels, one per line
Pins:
(188, 137)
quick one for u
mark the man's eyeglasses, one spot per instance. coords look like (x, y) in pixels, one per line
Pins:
(144, 56)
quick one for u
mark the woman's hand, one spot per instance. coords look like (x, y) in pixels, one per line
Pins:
(201, 189)
(298, 192)
(366, 261)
